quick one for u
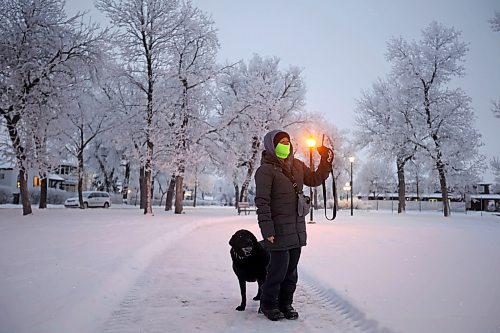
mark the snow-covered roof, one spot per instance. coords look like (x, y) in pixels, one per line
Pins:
(55, 177)
(7, 165)
(485, 196)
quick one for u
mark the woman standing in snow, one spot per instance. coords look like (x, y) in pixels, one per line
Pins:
(281, 210)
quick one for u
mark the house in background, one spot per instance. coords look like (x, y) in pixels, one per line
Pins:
(483, 200)
(64, 177)
(8, 176)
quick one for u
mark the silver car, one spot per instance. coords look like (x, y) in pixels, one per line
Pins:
(90, 199)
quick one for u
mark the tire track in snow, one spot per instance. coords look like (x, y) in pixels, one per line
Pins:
(351, 316)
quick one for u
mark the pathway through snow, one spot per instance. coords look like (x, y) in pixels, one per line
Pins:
(206, 301)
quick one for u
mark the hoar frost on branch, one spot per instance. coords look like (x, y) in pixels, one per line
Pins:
(495, 26)
(495, 22)
(496, 109)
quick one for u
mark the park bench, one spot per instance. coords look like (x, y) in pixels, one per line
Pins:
(244, 206)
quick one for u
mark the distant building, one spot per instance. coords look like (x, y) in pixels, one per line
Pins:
(434, 197)
(63, 177)
(483, 200)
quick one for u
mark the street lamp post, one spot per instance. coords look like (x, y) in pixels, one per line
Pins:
(351, 160)
(311, 143)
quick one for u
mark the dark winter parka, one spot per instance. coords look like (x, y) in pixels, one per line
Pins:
(276, 199)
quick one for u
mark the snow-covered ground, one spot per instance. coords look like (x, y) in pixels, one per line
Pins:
(116, 270)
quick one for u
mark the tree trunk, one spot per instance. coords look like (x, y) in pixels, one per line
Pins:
(142, 188)
(148, 208)
(401, 185)
(236, 194)
(244, 186)
(195, 192)
(126, 183)
(25, 196)
(179, 194)
(11, 123)
(43, 194)
(148, 205)
(181, 148)
(108, 180)
(170, 194)
(444, 187)
(438, 159)
(110, 183)
(248, 177)
(108, 176)
(160, 190)
(80, 177)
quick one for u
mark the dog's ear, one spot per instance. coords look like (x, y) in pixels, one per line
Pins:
(254, 239)
(231, 241)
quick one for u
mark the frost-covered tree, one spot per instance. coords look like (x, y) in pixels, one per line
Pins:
(39, 46)
(193, 54)
(384, 122)
(167, 49)
(129, 132)
(143, 32)
(232, 104)
(88, 114)
(441, 122)
(256, 97)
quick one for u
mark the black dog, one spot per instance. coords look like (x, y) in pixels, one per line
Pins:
(250, 260)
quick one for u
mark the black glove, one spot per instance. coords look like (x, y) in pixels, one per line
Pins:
(326, 154)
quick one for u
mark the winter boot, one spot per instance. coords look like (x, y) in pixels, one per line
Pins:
(289, 312)
(272, 314)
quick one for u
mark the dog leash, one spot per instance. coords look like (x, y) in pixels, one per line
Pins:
(334, 191)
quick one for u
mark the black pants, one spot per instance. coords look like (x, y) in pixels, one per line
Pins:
(281, 279)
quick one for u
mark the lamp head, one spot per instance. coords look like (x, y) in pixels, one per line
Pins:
(311, 142)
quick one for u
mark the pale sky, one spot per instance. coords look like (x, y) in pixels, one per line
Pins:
(341, 46)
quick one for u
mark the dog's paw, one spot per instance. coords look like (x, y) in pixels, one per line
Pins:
(240, 308)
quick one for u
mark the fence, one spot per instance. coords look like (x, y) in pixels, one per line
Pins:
(393, 205)
(415, 205)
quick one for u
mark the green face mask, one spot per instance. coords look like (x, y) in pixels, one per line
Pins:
(282, 151)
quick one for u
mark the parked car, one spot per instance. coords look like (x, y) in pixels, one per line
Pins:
(90, 199)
